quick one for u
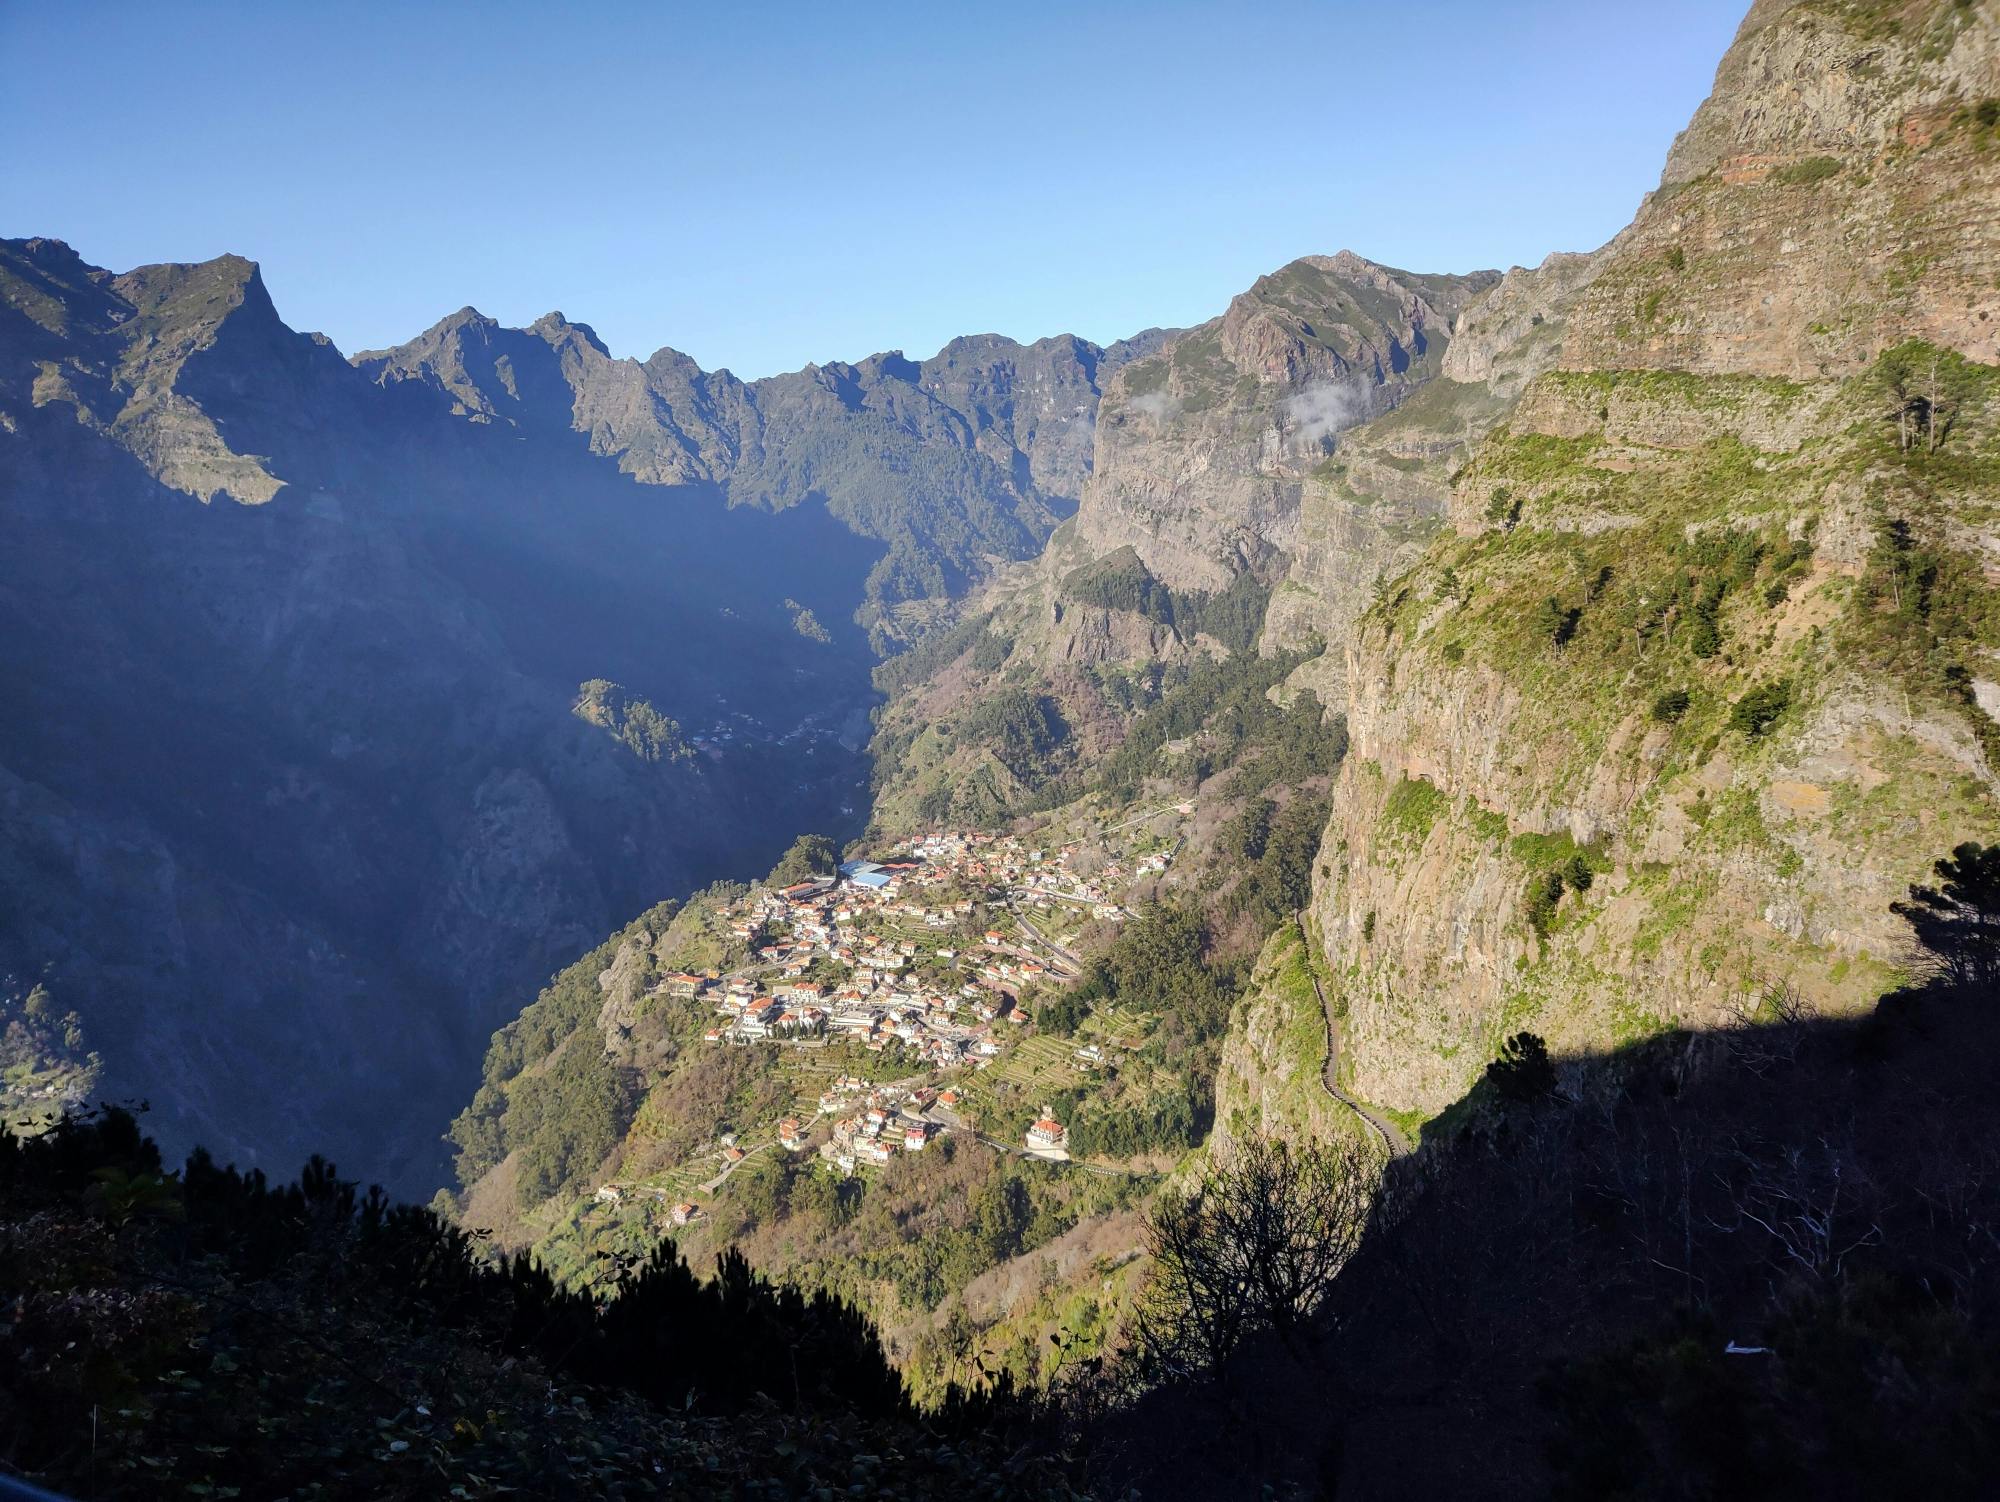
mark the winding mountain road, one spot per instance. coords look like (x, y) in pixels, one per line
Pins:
(1390, 1134)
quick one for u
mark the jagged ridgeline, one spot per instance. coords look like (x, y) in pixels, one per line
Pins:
(407, 677)
(1653, 589)
(949, 463)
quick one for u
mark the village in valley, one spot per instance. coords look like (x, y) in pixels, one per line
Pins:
(921, 966)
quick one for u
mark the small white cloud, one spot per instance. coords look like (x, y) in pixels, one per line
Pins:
(1319, 412)
(1161, 406)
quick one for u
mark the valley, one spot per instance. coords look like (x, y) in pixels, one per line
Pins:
(380, 711)
(1408, 873)
(1512, 670)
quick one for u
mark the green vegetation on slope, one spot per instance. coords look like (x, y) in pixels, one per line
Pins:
(1121, 581)
(648, 734)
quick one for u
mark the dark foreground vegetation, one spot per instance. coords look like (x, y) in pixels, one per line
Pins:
(1762, 1261)
(207, 1334)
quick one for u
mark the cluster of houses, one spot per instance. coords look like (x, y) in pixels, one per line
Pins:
(874, 1123)
(828, 962)
(886, 952)
(1010, 863)
(682, 1213)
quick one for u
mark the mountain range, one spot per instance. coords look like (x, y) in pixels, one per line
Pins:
(298, 789)
(1651, 590)
(1501, 728)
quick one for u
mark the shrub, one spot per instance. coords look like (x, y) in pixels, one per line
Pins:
(1809, 173)
(1540, 900)
(1704, 634)
(1021, 730)
(1557, 622)
(1756, 712)
(1670, 706)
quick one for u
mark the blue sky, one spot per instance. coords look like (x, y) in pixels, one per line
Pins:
(762, 185)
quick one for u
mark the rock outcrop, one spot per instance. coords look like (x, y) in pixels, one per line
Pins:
(1205, 449)
(1837, 192)
(1655, 729)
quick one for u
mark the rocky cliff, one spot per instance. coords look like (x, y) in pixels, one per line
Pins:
(1224, 465)
(952, 463)
(1697, 682)
(1206, 447)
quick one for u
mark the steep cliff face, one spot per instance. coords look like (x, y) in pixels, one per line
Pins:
(1692, 689)
(1205, 448)
(1269, 1081)
(1837, 192)
(1369, 511)
(1223, 469)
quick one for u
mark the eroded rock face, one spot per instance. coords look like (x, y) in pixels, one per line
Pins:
(1830, 200)
(1687, 922)
(1513, 333)
(1204, 449)
(1834, 195)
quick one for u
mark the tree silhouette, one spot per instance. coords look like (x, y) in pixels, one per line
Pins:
(1523, 1073)
(1957, 922)
(1255, 1245)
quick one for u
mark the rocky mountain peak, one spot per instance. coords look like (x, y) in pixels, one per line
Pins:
(48, 286)
(558, 330)
(1513, 333)
(189, 295)
(467, 317)
(667, 358)
(1837, 192)
(1203, 446)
